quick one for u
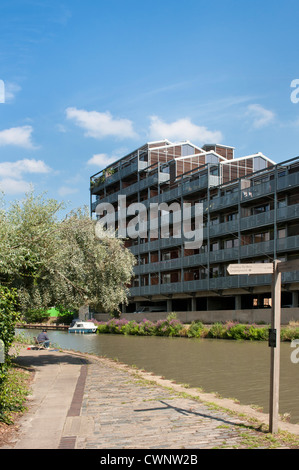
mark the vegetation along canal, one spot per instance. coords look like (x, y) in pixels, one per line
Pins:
(234, 369)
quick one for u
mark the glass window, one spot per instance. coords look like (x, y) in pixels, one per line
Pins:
(259, 163)
(281, 233)
(211, 158)
(187, 150)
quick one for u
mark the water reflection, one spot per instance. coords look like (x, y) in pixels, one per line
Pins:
(234, 369)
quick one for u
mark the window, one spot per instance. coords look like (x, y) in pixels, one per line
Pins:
(230, 217)
(281, 233)
(211, 158)
(261, 237)
(187, 150)
(260, 209)
(144, 280)
(203, 273)
(259, 163)
(234, 242)
(214, 246)
(215, 272)
(282, 203)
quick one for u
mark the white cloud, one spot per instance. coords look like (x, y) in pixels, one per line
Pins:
(12, 174)
(17, 168)
(65, 190)
(101, 160)
(11, 89)
(100, 125)
(261, 116)
(182, 129)
(19, 136)
(14, 186)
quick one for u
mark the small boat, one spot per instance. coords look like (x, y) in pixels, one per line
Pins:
(83, 327)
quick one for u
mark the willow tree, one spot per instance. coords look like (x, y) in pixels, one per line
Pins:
(52, 260)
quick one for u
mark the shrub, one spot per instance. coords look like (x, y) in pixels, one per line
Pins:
(195, 330)
(64, 315)
(168, 327)
(146, 327)
(8, 318)
(290, 332)
(36, 315)
(217, 330)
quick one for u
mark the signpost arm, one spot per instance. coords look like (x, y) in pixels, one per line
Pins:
(275, 349)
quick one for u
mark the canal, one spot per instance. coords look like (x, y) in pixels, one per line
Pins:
(234, 369)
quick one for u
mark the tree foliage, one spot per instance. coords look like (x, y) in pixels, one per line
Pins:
(9, 315)
(51, 260)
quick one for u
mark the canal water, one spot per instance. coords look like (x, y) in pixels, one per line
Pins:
(234, 369)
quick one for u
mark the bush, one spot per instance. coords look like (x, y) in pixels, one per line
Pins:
(172, 327)
(195, 330)
(9, 316)
(37, 315)
(64, 315)
(289, 333)
(217, 331)
(168, 327)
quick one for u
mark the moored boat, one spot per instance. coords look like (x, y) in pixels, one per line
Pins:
(83, 327)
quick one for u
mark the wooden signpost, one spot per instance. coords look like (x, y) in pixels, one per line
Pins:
(275, 268)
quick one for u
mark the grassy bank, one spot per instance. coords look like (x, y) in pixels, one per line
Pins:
(173, 327)
(13, 393)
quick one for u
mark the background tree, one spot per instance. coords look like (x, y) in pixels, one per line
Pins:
(53, 261)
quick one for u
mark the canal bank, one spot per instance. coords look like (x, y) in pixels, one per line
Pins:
(235, 369)
(80, 401)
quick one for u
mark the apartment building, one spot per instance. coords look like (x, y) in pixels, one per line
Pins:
(250, 213)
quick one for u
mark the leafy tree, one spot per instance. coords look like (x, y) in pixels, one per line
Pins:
(52, 260)
(8, 318)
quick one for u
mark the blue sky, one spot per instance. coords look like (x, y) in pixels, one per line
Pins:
(89, 81)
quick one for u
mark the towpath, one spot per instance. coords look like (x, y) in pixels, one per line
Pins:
(84, 402)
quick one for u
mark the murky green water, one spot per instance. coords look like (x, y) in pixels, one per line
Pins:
(234, 369)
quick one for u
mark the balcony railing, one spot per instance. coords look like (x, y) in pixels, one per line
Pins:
(122, 171)
(218, 283)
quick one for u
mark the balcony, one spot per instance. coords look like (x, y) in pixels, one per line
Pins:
(224, 228)
(219, 283)
(257, 220)
(288, 244)
(227, 200)
(257, 249)
(288, 181)
(176, 263)
(259, 190)
(120, 172)
(288, 213)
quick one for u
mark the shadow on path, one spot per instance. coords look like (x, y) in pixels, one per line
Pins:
(190, 412)
(32, 360)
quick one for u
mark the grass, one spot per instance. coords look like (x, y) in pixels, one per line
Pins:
(13, 393)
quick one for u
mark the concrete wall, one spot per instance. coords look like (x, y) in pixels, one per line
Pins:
(212, 316)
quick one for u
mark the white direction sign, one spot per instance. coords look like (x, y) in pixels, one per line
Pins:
(253, 268)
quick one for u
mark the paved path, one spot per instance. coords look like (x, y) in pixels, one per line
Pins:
(82, 402)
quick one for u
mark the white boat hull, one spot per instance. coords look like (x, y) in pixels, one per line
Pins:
(83, 328)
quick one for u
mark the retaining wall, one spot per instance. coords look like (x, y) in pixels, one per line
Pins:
(212, 316)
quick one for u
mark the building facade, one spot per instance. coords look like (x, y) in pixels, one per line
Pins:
(250, 213)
